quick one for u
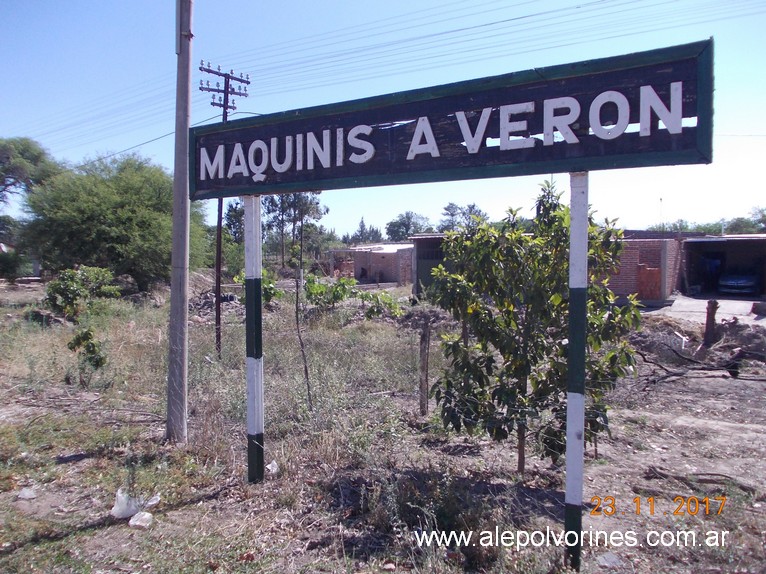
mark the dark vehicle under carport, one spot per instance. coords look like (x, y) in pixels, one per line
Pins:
(727, 265)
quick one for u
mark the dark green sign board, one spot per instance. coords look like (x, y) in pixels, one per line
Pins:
(645, 109)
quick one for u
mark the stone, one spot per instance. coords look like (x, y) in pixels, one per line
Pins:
(609, 560)
(141, 520)
(26, 494)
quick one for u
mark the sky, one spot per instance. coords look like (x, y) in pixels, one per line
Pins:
(87, 79)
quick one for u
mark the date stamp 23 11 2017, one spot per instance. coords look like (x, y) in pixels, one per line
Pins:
(650, 506)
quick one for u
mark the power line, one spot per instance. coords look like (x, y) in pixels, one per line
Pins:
(103, 157)
(362, 52)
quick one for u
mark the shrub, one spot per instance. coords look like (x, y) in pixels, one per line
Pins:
(327, 295)
(269, 289)
(10, 264)
(74, 289)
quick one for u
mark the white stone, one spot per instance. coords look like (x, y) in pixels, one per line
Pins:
(142, 520)
(26, 494)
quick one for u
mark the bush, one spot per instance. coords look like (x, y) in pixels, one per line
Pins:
(327, 295)
(74, 289)
(10, 264)
(269, 289)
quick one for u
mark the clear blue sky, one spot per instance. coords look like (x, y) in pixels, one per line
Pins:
(87, 78)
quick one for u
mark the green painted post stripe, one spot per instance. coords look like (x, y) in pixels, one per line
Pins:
(578, 318)
(253, 317)
(255, 460)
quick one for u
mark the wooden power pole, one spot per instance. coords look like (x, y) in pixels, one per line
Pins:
(222, 102)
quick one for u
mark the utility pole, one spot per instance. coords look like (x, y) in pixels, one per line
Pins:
(221, 102)
(178, 340)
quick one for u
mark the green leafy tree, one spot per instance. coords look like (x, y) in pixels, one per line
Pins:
(742, 225)
(363, 234)
(115, 214)
(317, 240)
(285, 215)
(24, 166)
(9, 229)
(676, 226)
(407, 224)
(456, 217)
(234, 221)
(758, 215)
(509, 289)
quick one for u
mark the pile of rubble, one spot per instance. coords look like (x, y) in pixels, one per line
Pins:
(202, 308)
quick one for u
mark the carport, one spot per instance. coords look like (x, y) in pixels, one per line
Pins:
(707, 258)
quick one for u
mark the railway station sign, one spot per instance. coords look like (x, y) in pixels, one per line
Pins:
(644, 109)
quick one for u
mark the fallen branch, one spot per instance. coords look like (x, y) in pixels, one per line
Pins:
(699, 478)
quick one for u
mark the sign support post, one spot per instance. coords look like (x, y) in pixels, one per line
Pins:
(578, 314)
(254, 337)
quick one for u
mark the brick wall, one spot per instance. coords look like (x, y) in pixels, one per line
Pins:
(375, 267)
(663, 254)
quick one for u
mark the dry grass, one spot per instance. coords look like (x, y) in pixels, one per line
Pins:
(357, 476)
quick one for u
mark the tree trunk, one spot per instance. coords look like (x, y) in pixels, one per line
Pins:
(425, 339)
(298, 287)
(521, 446)
(521, 431)
(710, 336)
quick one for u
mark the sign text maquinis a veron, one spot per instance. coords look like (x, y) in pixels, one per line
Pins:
(644, 109)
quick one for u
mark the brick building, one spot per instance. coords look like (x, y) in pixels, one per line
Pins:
(384, 263)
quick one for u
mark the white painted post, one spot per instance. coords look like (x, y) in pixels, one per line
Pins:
(578, 313)
(254, 337)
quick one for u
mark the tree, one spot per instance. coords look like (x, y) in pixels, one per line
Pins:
(276, 218)
(363, 234)
(452, 218)
(115, 214)
(234, 221)
(456, 217)
(318, 240)
(510, 291)
(758, 215)
(285, 213)
(24, 165)
(741, 225)
(9, 229)
(407, 224)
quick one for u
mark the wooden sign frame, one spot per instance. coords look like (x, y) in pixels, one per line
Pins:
(593, 115)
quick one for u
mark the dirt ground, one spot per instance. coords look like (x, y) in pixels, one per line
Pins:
(681, 474)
